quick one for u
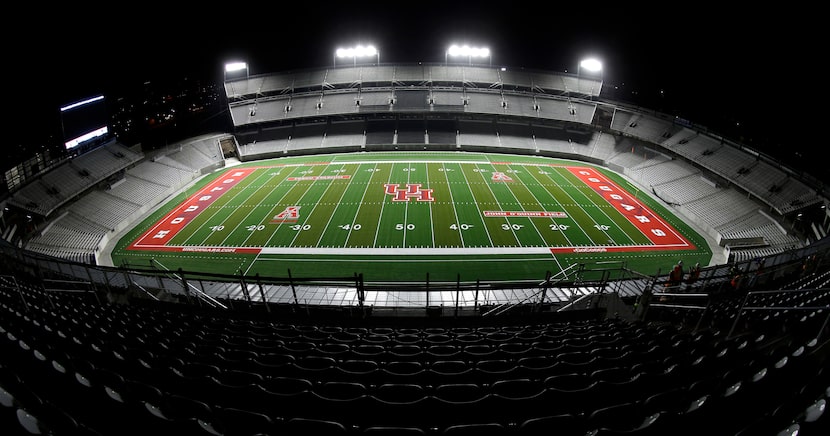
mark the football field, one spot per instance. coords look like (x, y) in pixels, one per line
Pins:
(403, 216)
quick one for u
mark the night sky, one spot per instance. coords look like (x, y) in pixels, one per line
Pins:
(741, 72)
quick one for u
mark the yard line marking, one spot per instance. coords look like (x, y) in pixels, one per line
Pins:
(406, 206)
(380, 215)
(270, 213)
(551, 215)
(583, 179)
(246, 201)
(273, 208)
(307, 216)
(431, 223)
(553, 197)
(560, 186)
(591, 217)
(454, 210)
(334, 212)
(362, 197)
(509, 188)
(496, 199)
(578, 205)
(478, 207)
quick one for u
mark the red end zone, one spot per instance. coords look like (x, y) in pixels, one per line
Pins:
(662, 235)
(160, 234)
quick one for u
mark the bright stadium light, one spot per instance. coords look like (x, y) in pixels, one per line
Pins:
(359, 51)
(465, 51)
(593, 66)
(235, 68)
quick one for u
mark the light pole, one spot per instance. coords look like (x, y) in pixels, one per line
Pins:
(468, 52)
(358, 51)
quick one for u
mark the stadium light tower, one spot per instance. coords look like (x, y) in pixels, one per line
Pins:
(234, 69)
(355, 52)
(465, 51)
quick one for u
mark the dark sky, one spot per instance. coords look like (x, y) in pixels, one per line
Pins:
(715, 67)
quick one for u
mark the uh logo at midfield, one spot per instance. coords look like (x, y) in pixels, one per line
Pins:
(412, 190)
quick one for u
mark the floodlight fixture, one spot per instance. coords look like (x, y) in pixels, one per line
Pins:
(592, 65)
(234, 69)
(231, 67)
(358, 51)
(466, 51)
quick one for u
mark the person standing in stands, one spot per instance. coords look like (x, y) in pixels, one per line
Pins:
(676, 275)
(694, 274)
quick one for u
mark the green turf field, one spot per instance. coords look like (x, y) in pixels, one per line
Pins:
(411, 216)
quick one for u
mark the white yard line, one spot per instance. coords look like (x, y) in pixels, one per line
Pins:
(478, 208)
(406, 206)
(563, 207)
(541, 236)
(382, 204)
(431, 223)
(454, 210)
(307, 215)
(589, 215)
(518, 241)
(249, 214)
(334, 212)
(554, 198)
(256, 258)
(360, 205)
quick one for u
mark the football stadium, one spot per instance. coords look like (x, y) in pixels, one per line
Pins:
(416, 249)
